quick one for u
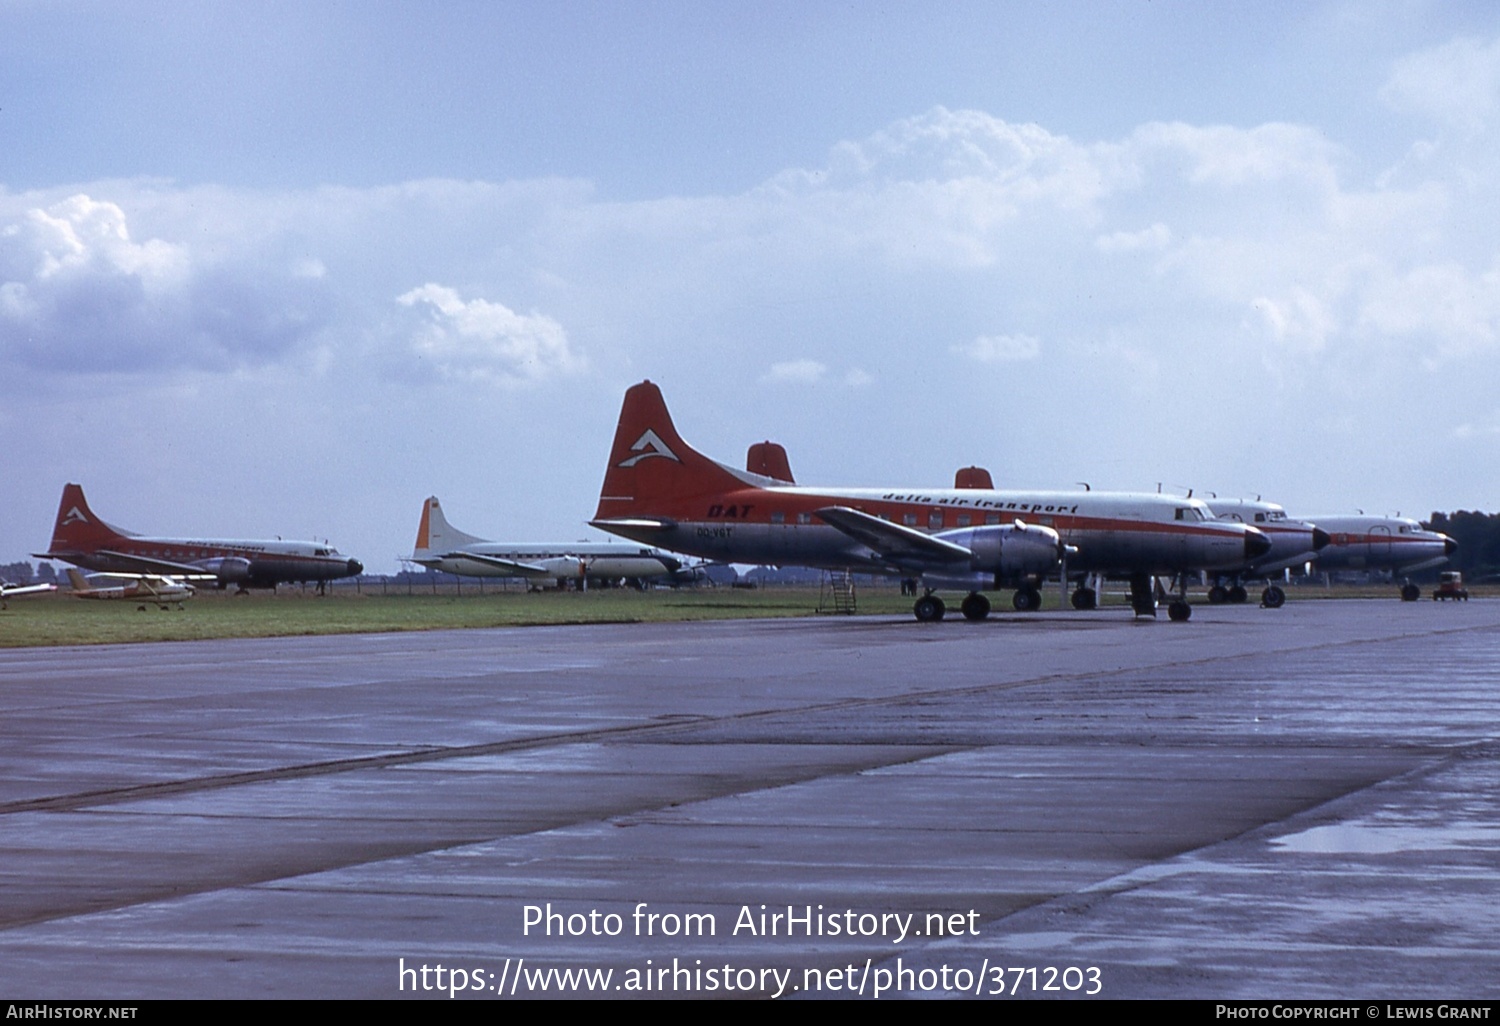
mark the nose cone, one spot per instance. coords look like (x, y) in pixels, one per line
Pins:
(1320, 539)
(1449, 546)
(356, 568)
(1256, 544)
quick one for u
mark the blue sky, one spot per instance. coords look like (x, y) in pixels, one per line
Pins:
(289, 268)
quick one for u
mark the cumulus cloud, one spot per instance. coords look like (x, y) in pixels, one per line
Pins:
(478, 340)
(1000, 348)
(79, 294)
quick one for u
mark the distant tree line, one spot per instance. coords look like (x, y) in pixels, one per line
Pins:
(22, 573)
(1478, 537)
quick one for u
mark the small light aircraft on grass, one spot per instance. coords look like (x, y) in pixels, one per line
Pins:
(146, 589)
(10, 591)
(659, 490)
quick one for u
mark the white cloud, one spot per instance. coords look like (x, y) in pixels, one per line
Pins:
(484, 341)
(79, 295)
(1000, 348)
(1457, 83)
(1157, 237)
(796, 372)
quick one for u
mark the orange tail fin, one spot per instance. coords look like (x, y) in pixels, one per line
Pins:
(77, 529)
(652, 471)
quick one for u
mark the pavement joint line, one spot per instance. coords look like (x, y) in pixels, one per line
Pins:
(168, 788)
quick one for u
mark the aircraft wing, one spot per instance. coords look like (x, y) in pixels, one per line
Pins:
(900, 546)
(1426, 564)
(1279, 565)
(513, 566)
(9, 591)
(149, 565)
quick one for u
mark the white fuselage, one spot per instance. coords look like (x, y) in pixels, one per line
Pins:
(1293, 542)
(1398, 544)
(563, 562)
(1112, 532)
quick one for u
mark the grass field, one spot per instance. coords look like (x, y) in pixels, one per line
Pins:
(58, 619)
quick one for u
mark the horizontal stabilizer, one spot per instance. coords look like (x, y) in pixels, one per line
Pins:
(635, 523)
(898, 545)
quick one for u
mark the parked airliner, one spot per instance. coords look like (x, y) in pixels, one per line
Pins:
(1398, 544)
(1294, 543)
(81, 538)
(440, 546)
(659, 490)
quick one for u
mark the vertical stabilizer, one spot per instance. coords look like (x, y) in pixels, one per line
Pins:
(768, 459)
(435, 535)
(77, 529)
(973, 477)
(652, 471)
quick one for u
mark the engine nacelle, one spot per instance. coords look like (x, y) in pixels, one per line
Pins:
(1011, 552)
(228, 569)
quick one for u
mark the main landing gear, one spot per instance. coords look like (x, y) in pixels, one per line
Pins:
(1144, 590)
(1271, 598)
(1085, 598)
(975, 607)
(930, 609)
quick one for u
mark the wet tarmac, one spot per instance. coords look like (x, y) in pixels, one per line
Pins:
(1258, 804)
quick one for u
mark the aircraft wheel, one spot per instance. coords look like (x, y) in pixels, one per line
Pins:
(1218, 595)
(1273, 597)
(1085, 598)
(1026, 599)
(140, 609)
(1179, 610)
(1238, 594)
(1410, 593)
(929, 609)
(975, 607)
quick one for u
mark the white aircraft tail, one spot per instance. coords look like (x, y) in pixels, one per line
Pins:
(435, 535)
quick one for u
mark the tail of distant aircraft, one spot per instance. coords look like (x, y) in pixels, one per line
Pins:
(435, 534)
(653, 473)
(77, 529)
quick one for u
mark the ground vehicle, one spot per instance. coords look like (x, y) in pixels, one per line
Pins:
(1450, 586)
